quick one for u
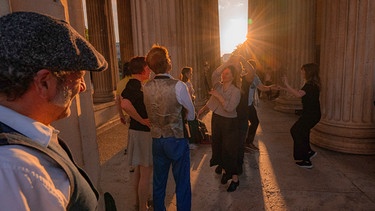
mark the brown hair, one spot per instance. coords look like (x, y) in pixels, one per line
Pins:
(235, 75)
(312, 73)
(183, 73)
(137, 64)
(158, 59)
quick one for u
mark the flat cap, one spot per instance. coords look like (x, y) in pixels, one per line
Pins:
(41, 41)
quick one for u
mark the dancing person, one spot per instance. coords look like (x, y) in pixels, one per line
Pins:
(223, 102)
(242, 110)
(165, 99)
(139, 136)
(310, 116)
(252, 115)
(43, 61)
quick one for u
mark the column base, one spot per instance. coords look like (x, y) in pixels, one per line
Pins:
(103, 97)
(344, 138)
(288, 104)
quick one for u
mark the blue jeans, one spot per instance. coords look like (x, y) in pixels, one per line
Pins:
(175, 151)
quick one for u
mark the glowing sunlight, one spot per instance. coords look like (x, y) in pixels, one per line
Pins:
(270, 186)
(233, 24)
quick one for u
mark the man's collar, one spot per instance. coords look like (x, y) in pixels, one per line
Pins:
(36, 131)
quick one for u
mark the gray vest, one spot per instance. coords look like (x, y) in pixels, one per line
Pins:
(163, 109)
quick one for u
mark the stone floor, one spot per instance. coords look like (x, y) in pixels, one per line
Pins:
(271, 180)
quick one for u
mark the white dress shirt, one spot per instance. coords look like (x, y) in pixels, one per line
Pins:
(29, 179)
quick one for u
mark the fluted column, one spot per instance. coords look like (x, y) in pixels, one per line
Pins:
(101, 35)
(259, 32)
(348, 80)
(207, 45)
(88, 146)
(210, 35)
(125, 30)
(159, 22)
(186, 28)
(4, 7)
(298, 49)
(263, 34)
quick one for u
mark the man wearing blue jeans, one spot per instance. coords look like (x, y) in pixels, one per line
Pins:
(168, 105)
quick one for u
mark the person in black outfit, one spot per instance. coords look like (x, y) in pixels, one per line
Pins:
(242, 113)
(139, 136)
(310, 116)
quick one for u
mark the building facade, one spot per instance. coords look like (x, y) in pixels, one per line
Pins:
(282, 35)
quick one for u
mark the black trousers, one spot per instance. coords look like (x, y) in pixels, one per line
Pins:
(300, 132)
(225, 144)
(252, 116)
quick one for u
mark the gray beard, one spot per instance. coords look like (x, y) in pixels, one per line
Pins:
(63, 96)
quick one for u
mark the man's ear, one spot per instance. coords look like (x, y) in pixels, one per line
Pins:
(44, 81)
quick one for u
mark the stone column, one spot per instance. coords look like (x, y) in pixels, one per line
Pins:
(201, 50)
(4, 7)
(258, 31)
(125, 30)
(210, 35)
(155, 22)
(210, 38)
(101, 35)
(52, 8)
(348, 78)
(85, 112)
(262, 31)
(189, 29)
(297, 49)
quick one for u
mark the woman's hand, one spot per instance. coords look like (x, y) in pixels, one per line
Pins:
(217, 95)
(213, 92)
(202, 112)
(146, 122)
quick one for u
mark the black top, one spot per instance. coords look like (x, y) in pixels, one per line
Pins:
(133, 92)
(310, 101)
(242, 106)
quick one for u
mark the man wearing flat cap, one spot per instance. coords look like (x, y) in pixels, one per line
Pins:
(42, 66)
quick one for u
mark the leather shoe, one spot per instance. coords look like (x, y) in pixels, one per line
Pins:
(225, 178)
(233, 186)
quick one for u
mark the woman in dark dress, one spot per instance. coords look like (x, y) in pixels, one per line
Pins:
(311, 114)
